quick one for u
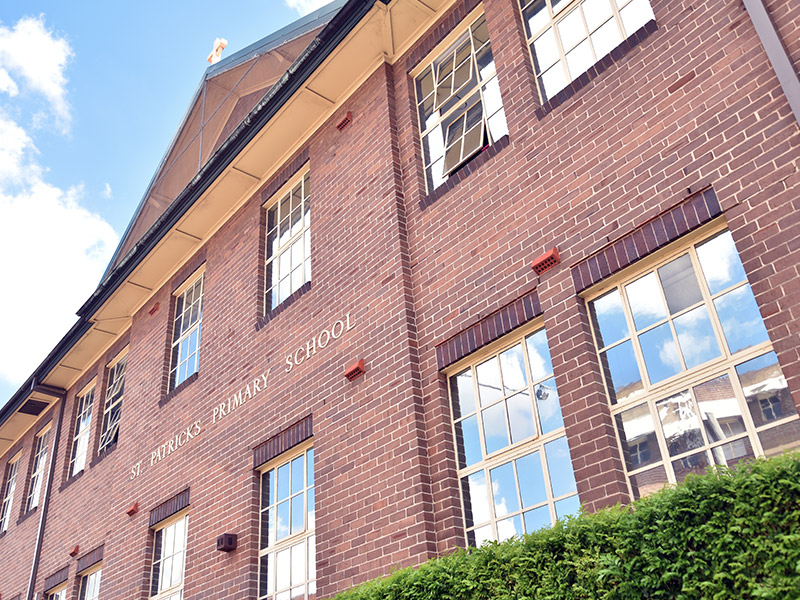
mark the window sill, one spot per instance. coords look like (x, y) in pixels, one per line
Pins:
(178, 389)
(595, 70)
(27, 515)
(262, 322)
(71, 479)
(465, 171)
(103, 453)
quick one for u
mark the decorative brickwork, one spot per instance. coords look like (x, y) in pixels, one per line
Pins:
(90, 559)
(59, 576)
(283, 441)
(169, 507)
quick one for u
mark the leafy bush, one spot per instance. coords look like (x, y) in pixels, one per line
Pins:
(726, 534)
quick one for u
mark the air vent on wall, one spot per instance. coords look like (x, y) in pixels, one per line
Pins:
(546, 261)
(348, 118)
(355, 371)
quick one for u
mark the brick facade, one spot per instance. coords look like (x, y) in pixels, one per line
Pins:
(686, 123)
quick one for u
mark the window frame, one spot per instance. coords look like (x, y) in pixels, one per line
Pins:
(272, 256)
(556, 16)
(179, 337)
(687, 379)
(162, 526)
(534, 445)
(119, 362)
(84, 579)
(58, 592)
(80, 433)
(9, 489)
(38, 476)
(307, 536)
(459, 109)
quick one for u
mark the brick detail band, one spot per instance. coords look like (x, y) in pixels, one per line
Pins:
(595, 70)
(488, 329)
(697, 209)
(59, 576)
(169, 507)
(90, 558)
(283, 441)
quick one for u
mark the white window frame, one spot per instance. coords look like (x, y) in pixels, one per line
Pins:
(41, 451)
(287, 253)
(183, 339)
(438, 119)
(621, 20)
(11, 473)
(84, 407)
(90, 580)
(175, 527)
(287, 545)
(537, 444)
(687, 379)
(59, 592)
(112, 408)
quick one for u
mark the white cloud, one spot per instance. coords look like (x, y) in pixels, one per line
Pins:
(107, 192)
(37, 56)
(306, 6)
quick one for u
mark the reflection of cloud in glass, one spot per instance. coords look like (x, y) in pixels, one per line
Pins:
(508, 528)
(720, 262)
(644, 296)
(610, 317)
(514, 377)
(668, 353)
(696, 337)
(478, 497)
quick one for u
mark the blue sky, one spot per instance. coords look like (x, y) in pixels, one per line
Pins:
(91, 94)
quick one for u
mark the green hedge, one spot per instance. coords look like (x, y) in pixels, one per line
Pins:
(726, 534)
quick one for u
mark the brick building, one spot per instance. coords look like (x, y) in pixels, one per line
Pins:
(551, 263)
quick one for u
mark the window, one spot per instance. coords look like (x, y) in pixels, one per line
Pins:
(288, 258)
(514, 462)
(287, 556)
(59, 593)
(113, 407)
(90, 586)
(169, 560)
(567, 37)
(37, 473)
(8, 494)
(83, 422)
(459, 104)
(691, 377)
(186, 332)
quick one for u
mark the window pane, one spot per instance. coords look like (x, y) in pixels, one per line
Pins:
(571, 30)
(693, 464)
(548, 406)
(637, 434)
(504, 490)
(559, 464)
(622, 372)
(283, 481)
(740, 318)
(539, 355)
(608, 317)
(596, 12)
(494, 428)
(679, 423)
(636, 14)
(531, 480)
(580, 59)
(463, 394)
(777, 440)
(298, 564)
(267, 527)
(764, 387)
(283, 569)
(568, 507)
(720, 262)
(489, 388)
(606, 38)
(660, 353)
(284, 515)
(719, 409)
(298, 513)
(680, 284)
(696, 337)
(310, 467)
(535, 16)
(520, 416)
(468, 441)
(553, 80)
(648, 482)
(298, 474)
(545, 51)
(732, 453)
(508, 528)
(513, 369)
(311, 509)
(476, 499)
(644, 297)
(537, 519)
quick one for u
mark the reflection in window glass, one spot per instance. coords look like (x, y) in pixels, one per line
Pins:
(660, 353)
(644, 297)
(719, 409)
(608, 316)
(740, 319)
(696, 337)
(720, 262)
(765, 390)
(638, 437)
(679, 423)
(622, 372)
(680, 284)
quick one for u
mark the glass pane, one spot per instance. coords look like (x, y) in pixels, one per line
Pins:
(693, 464)
(298, 564)
(580, 59)
(608, 318)
(622, 372)
(644, 297)
(606, 38)
(680, 284)
(719, 409)
(660, 353)
(559, 465)
(425, 83)
(494, 428)
(537, 519)
(485, 62)
(740, 318)
(535, 16)
(481, 535)
(531, 480)
(720, 262)
(283, 481)
(765, 390)
(568, 507)
(504, 490)
(636, 14)
(539, 355)
(732, 453)
(679, 423)
(489, 388)
(463, 394)
(311, 508)
(648, 482)
(310, 467)
(497, 124)
(779, 439)
(282, 526)
(553, 80)
(596, 12)
(298, 513)
(545, 51)
(520, 416)
(283, 569)
(513, 369)
(508, 528)
(548, 406)
(696, 337)
(267, 527)
(312, 558)
(637, 433)
(469, 441)
(476, 499)
(571, 30)
(298, 474)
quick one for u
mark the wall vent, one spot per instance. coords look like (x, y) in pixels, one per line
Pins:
(546, 261)
(227, 542)
(348, 118)
(355, 371)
